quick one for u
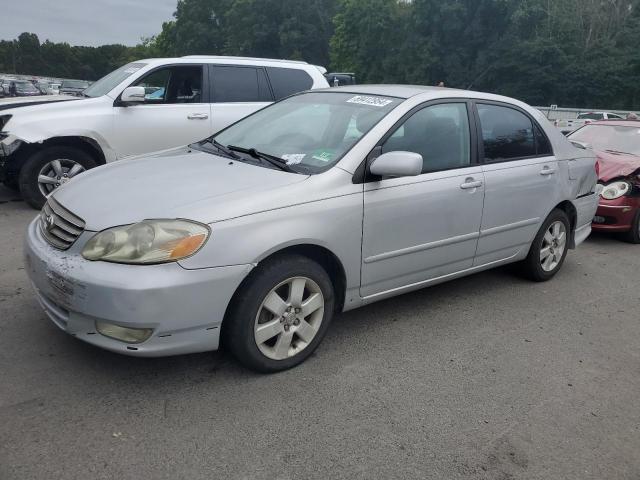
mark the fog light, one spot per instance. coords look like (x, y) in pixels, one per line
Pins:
(124, 334)
(599, 219)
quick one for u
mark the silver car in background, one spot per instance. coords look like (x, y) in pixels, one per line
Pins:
(320, 203)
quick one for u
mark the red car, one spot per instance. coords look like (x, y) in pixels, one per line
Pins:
(617, 145)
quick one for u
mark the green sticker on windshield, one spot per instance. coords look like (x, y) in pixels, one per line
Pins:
(324, 155)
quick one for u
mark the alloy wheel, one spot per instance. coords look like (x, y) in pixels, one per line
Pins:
(57, 172)
(289, 318)
(553, 246)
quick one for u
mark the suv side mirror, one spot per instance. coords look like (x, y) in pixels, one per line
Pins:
(133, 95)
(397, 164)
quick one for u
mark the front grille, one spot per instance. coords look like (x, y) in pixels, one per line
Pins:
(59, 226)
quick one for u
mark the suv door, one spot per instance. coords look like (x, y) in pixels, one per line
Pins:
(521, 176)
(237, 91)
(176, 112)
(420, 228)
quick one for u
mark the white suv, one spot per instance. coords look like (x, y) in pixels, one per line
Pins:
(145, 106)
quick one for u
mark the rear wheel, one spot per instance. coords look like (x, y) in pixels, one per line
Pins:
(549, 248)
(280, 315)
(633, 235)
(50, 168)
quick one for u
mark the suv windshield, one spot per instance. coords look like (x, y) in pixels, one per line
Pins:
(112, 80)
(310, 131)
(610, 137)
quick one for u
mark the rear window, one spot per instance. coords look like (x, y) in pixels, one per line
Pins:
(287, 81)
(239, 84)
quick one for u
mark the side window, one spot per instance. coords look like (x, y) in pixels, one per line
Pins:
(287, 81)
(439, 133)
(506, 133)
(239, 84)
(614, 116)
(543, 146)
(173, 85)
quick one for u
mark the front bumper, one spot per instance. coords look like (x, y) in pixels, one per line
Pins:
(185, 308)
(616, 215)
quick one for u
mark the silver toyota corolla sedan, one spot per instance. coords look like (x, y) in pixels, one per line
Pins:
(321, 203)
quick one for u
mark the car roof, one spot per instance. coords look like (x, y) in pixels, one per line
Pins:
(229, 60)
(427, 92)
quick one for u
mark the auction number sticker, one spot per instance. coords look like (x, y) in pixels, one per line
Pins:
(370, 101)
(293, 158)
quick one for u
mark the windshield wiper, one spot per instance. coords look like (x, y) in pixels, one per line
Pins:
(272, 159)
(221, 148)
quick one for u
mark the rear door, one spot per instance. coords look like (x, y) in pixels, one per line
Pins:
(176, 112)
(237, 91)
(521, 175)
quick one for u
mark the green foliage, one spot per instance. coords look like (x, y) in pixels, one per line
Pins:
(570, 52)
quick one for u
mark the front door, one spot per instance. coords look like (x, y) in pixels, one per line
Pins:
(424, 227)
(175, 112)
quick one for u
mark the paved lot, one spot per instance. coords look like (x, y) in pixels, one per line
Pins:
(488, 377)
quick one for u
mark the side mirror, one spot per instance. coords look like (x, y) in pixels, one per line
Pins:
(133, 95)
(397, 164)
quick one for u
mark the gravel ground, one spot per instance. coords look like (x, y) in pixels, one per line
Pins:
(487, 377)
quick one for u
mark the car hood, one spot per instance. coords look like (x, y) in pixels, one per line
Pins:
(15, 102)
(178, 183)
(615, 165)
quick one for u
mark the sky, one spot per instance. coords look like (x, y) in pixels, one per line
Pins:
(85, 22)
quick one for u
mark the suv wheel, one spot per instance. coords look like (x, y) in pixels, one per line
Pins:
(549, 248)
(280, 314)
(633, 235)
(47, 169)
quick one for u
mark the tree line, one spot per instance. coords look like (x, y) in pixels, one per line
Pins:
(578, 53)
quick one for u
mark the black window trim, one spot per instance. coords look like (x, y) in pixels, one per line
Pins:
(362, 173)
(534, 124)
(205, 84)
(210, 68)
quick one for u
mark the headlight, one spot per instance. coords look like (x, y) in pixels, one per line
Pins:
(615, 190)
(147, 242)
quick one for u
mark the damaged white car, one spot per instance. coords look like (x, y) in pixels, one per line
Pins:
(143, 107)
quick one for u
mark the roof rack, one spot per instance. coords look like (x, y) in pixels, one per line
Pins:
(231, 57)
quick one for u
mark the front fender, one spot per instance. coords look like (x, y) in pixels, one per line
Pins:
(334, 224)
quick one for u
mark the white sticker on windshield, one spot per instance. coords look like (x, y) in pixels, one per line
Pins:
(371, 101)
(293, 158)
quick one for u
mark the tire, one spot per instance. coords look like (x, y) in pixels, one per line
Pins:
(286, 339)
(540, 269)
(633, 235)
(12, 185)
(42, 162)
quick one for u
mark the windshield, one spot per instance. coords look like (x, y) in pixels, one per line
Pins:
(610, 137)
(311, 131)
(112, 80)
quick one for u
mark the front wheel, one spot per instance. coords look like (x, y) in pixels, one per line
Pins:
(50, 168)
(280, 314)
(549, 249)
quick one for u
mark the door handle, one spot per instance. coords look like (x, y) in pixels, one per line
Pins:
(197, 116)
(470, 183)
(547, 171)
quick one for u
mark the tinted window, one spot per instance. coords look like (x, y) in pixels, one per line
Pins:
(240, 84)
(173, 85)
(617, 117)
(507, 133)
(439, 133)
(287, 81)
